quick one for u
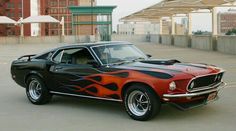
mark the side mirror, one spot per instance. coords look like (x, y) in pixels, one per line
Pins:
(94, 63)
(149, 56)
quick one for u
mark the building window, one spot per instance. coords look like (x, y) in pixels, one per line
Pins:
(53, 3)
(65, 10)
(55, 16)
(10, 32)
(54, 32)
(60, 10)
(69, 18)
(53, 11)
(54, 26)
(69, 25)
(10, 5)
(20, 5)
(62, 3)
(20, 14)
(71, 2)
(10, 15)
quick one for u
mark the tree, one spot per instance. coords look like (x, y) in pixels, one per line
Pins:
(231, 32)
(199, 32)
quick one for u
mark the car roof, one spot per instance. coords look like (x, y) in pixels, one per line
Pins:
(93, 44)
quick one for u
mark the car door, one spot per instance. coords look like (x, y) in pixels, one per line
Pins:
(70, 68)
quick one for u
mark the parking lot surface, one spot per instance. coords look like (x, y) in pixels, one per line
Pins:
(78, 114)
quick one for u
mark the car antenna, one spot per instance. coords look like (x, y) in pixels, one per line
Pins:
(107, 55)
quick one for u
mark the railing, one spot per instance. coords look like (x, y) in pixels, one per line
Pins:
(221, 43)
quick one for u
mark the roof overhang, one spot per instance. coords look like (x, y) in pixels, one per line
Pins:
(168, 8)
(87, 10)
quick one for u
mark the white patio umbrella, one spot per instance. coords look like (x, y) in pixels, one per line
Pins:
(6, 20)
(42, 19)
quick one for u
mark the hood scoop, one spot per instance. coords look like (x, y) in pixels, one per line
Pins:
(161, 61)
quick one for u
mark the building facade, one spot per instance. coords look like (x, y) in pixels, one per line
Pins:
(13, 9)
(226, 22)
(59, 9)
(166, 27)
(138, 28)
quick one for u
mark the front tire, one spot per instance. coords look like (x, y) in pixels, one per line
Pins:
(36, 91)
(141, 103)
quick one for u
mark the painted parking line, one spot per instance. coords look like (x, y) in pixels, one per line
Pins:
(3, 63)
(231, 85)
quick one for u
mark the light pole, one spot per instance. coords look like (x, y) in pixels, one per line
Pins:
(21, 19)
(92, 1)
(22, 9)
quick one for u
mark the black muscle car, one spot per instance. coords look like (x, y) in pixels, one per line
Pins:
(117, 71)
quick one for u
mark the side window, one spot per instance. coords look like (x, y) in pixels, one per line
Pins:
(74, 56)
(57, 58)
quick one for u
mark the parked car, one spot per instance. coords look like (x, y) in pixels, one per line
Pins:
(117, 71)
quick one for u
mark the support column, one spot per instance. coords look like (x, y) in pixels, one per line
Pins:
(21, 38)
(214, 22)
(172, 30)
(21, 28)
(172, 25)
(161, 30)
(62, 36)
(190, 30)
(74, 28)
(189, 24)
(214, 29)
(160, 27)
(62, 26)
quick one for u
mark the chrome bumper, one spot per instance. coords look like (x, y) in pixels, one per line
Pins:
(221, 85)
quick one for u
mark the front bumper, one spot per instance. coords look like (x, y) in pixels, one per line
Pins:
(216, 89)
(191, 103)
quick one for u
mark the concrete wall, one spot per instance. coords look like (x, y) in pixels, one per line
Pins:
(46, 40)
(155, 39)
(226, 44)
(202, 42)
(41, 40)
(9, 40)
(181, 40)
(166, 39)
(129, 38)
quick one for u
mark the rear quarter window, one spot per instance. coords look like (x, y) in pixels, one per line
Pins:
(45, 56)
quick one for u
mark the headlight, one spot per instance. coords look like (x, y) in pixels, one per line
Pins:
(192, 85)
(219, 77)
(172, 86)
(216, 78)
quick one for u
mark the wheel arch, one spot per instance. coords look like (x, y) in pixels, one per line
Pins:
(32, 73)
(127, 85)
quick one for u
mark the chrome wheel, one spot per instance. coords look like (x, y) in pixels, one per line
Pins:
(35, 89)
(138, 103)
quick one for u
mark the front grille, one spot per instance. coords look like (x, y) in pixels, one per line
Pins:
(205, 81)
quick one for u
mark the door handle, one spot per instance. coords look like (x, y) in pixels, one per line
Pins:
(58, 68)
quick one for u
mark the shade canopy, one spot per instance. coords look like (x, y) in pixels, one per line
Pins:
(6, 20)
(167, 8)
(40, 19)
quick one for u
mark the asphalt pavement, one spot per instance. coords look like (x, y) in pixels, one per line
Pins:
(79, 114)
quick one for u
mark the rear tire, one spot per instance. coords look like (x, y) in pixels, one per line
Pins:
(141, 103)
(36, 91)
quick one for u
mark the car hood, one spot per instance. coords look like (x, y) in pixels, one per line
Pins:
(171, 67)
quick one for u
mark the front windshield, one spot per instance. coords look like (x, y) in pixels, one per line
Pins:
(120, 53)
